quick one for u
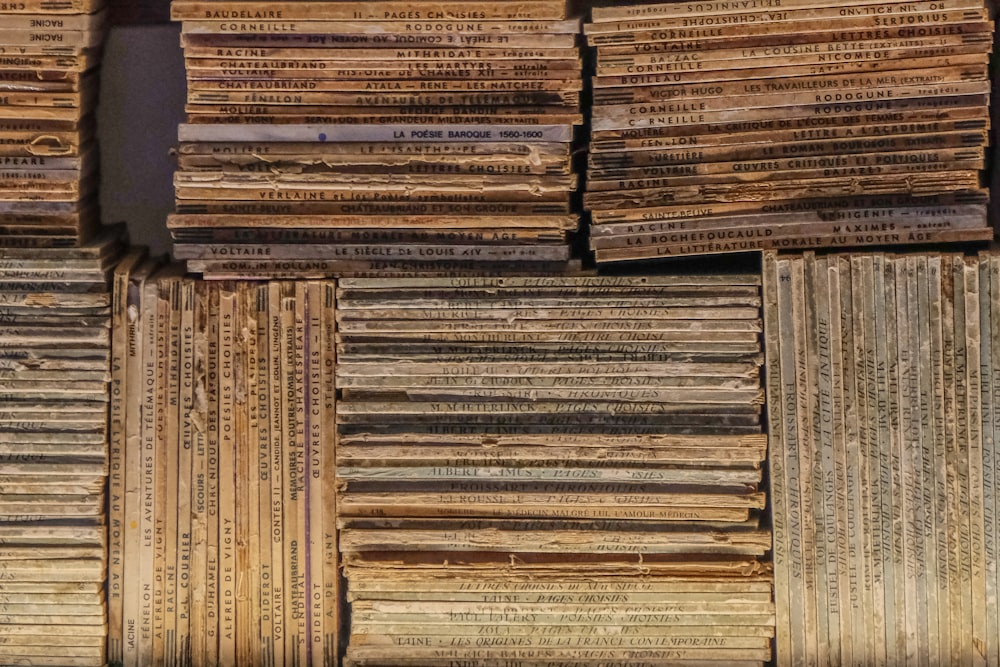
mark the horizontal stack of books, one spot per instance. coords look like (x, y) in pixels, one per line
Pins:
(536, 470)
(722, 127)
(55, 348)
(49, 55)
(377, 138)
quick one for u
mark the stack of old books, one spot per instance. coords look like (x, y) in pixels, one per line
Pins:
(228, 555)
(389, 138)
(722, 127)
(537, 470)
(882, 381)
(54, 366)
(55, 266)
(49, 52)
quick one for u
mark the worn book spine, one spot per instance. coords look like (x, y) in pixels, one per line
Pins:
(977, 494)
(797, 593)
(197, 623)
(841, 499)
(173, 445)
(801, 303)
(615, 15)
(185, 371)
(277, 529)
(297, 462)
(229, 358)
(825, 485)
(261, 470)
(882, 465)
(150, 352)
(249, 613)
(861, 293)
(777, 460)
(960, 615)
(990, 374)
(134, 328)
(331, 561)
(533, 10)
(117, 455)
(160, 466)
(814, 485)
(969, 537)
(314, 467)
(212, 509)
(947, 614)
(924, 408)
(897, 638)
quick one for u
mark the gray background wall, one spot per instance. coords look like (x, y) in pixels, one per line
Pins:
(141, 104)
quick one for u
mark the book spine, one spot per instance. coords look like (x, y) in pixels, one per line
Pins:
(173, 445)
(199, 479)
(160, 446)
(331, 561)
(776, 461)
(314, 468)
(297, 461)
(117, 464)
(977, 492)
(262, 472)
(212, 507)
(229, 359)
(249, 616)
(277, 528)
(134, 324)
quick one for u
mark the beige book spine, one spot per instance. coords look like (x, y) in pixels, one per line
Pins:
(855, 548)
(939, 445)
(989, 286)
(803, 481)
(117, 456)
(136, 335)
(535, 10)
(314, 465)
(330, 444)
(925, 643)
(927, 462)
(173, 445)
(289, 487)
(277, 525)
(896, 637)
(249, 622)
(866, 544)
(185, 477)
(261, 470)
(980, 332)
(150, 352)
(905, 435)
(228, 377)
(826, 536)
(960, 629)
(297, 461)
(777, 466)
(882, 466)
(967, 472)
(160, 445)
(213, 365)
(198, 616)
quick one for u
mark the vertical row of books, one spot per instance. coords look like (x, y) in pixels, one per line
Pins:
(549, 471)
(382, 138)
(228, 552)
(882, 380)
(55, 311)
(721, 127)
